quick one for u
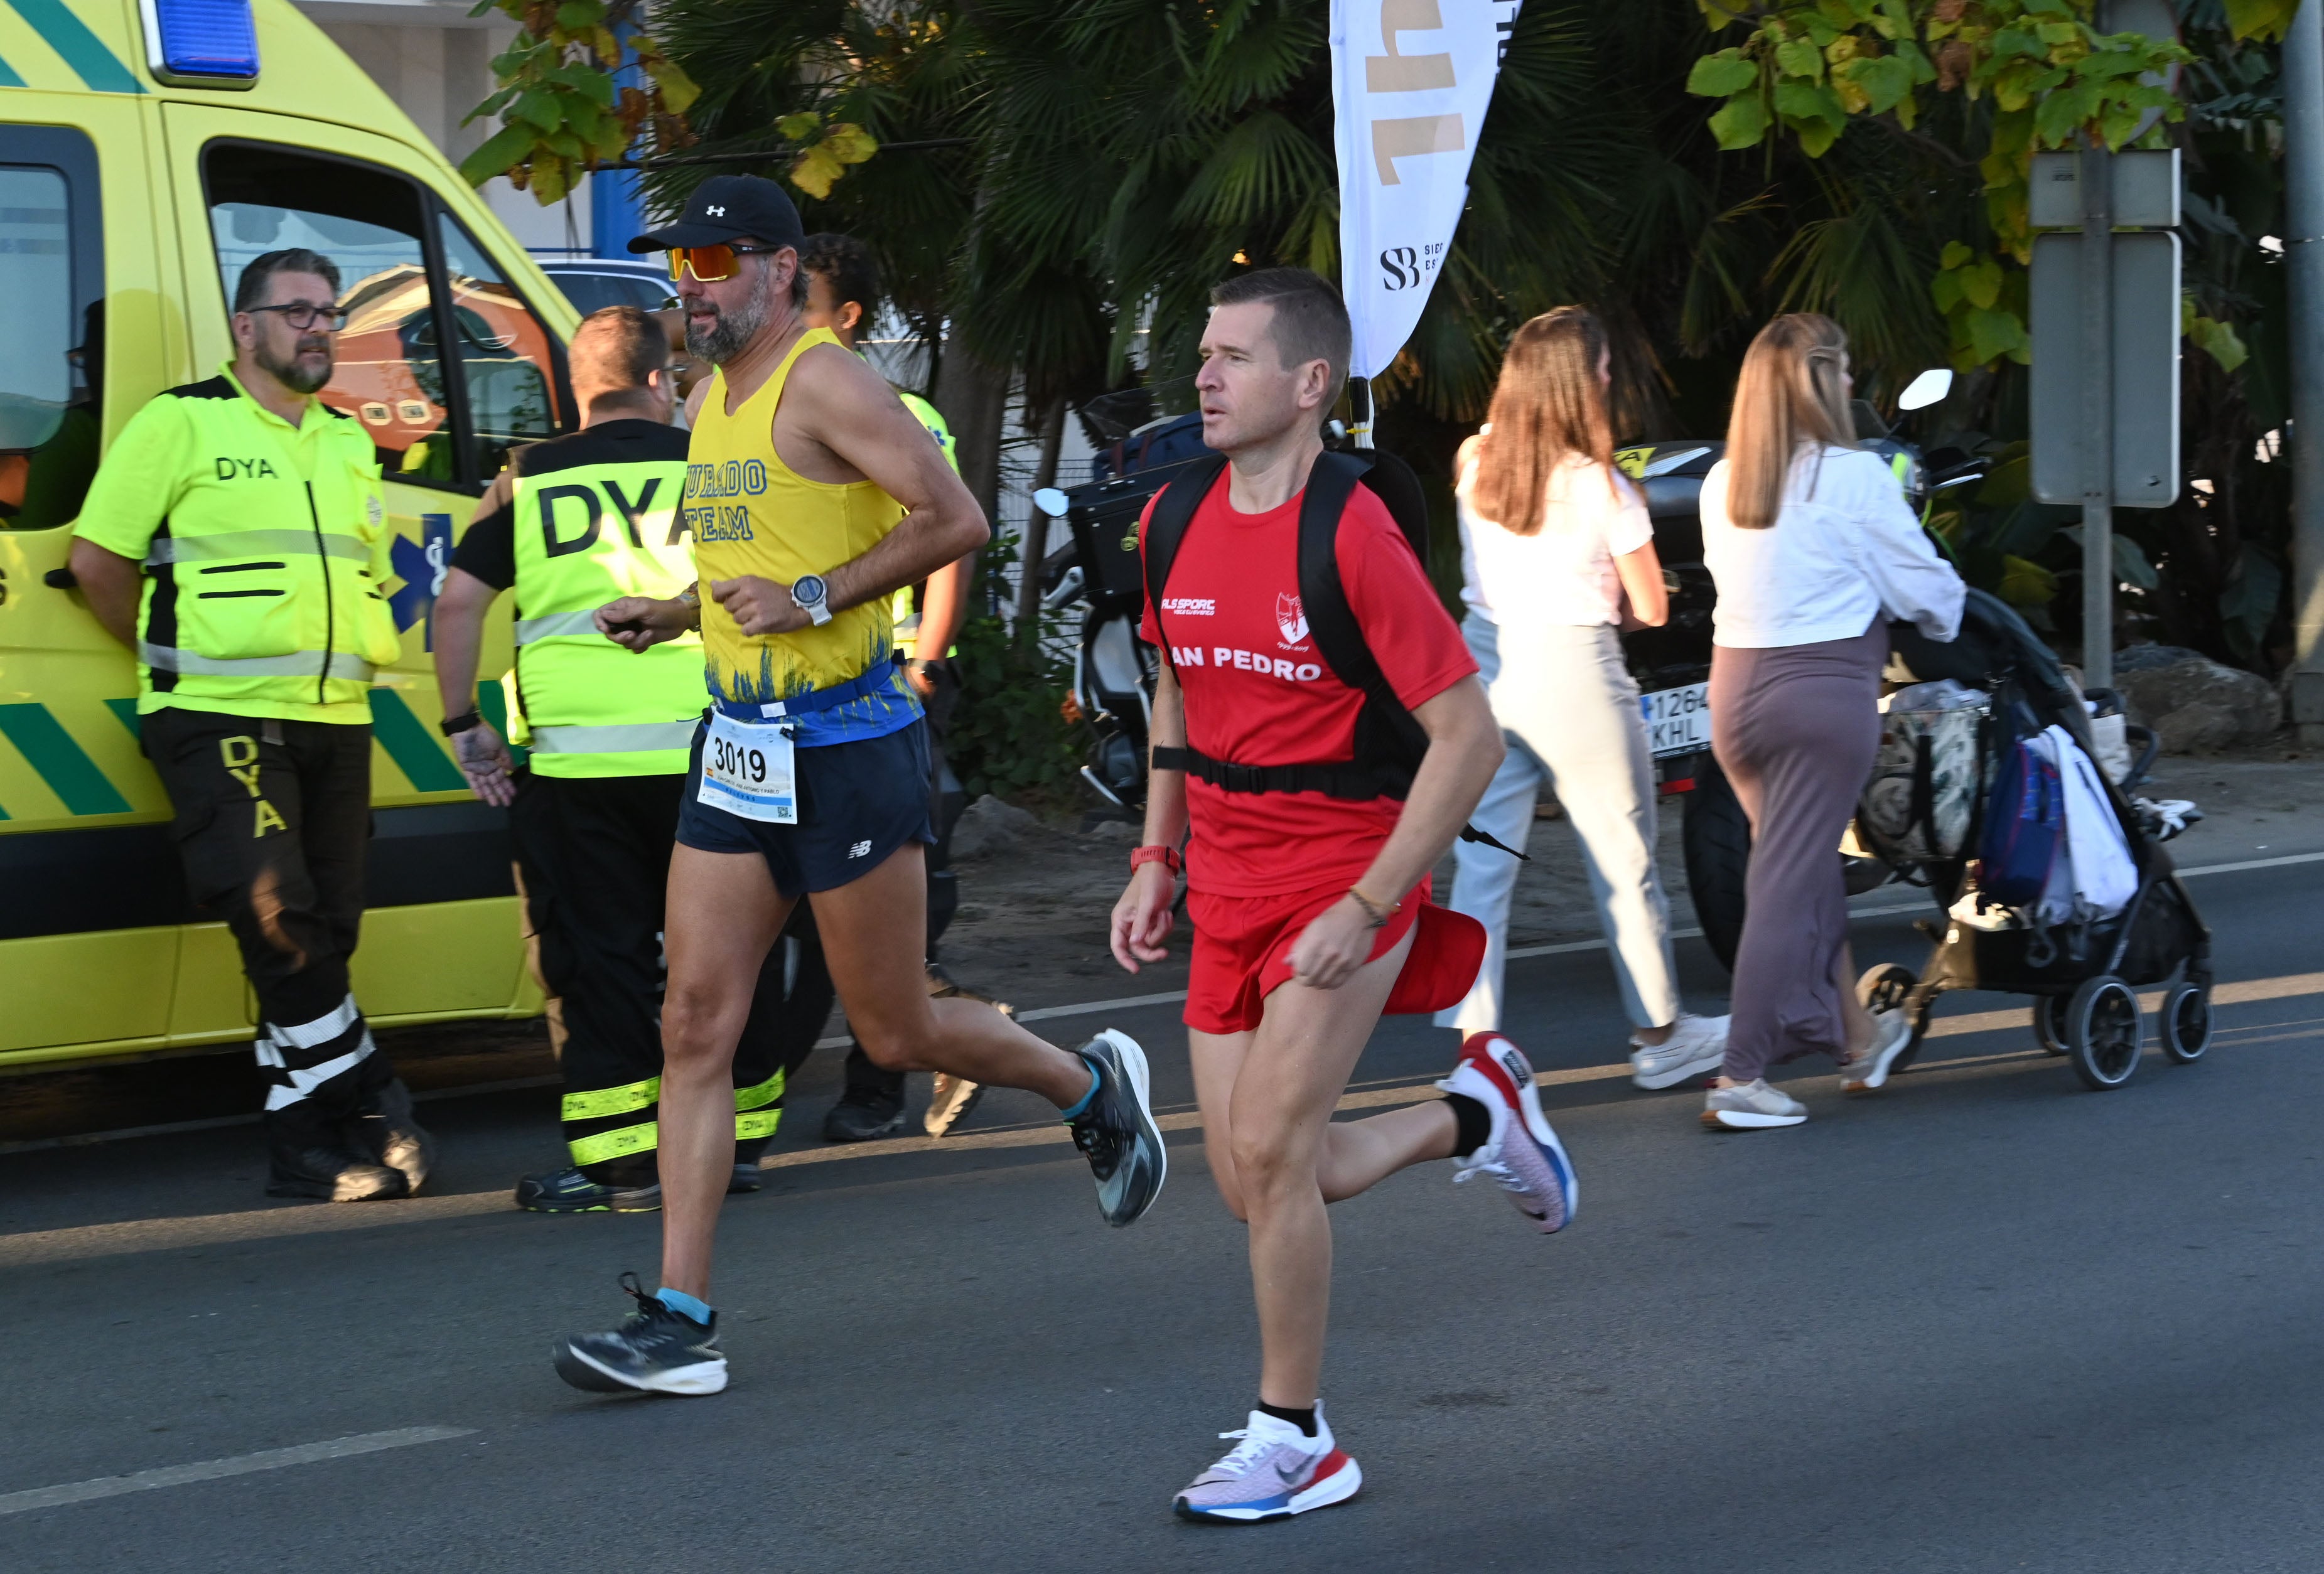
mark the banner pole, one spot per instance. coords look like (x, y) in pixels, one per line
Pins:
(1359, 410)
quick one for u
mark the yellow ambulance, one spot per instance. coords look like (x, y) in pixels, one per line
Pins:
(148, 150)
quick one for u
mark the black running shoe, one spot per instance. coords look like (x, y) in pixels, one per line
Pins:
(385, 1126)
(745, 1179)
(862, 1114)
(1116, 1131)
(655, 1350)
(569, 1190)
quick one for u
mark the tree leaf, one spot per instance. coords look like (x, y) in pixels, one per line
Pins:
(502, 149)
(1803, 101)
(1800, 58)
(1993, 333)
(849, 144)
(1719, 76)
(1816, 137)
(815, 172)
(798, 127)
(1980, 283)
(1885, 79)
(1740, 123)
(580, 16)
(2025, 584)
(678, 90)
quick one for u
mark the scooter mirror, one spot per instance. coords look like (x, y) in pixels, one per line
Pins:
(1926, 389)
(1050, 502)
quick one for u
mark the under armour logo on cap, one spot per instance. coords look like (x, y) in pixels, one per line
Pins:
(726, 208)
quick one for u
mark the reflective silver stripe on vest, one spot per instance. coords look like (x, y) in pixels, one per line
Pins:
(297, 664)
(636, 739)
(528, 629)
(232, 544)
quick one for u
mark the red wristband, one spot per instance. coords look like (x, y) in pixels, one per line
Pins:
(1168, 856)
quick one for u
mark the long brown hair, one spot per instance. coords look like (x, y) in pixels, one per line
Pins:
(1792, 394)
(1548, 403)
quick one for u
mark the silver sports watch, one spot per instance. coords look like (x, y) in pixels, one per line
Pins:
(808, 591)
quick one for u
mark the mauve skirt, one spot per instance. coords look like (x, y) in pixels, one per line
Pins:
(1795, 728)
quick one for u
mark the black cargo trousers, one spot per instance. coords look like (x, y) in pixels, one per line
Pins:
(595, 852)
(272, 819)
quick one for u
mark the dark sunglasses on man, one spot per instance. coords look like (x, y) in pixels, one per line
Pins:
(303, 316)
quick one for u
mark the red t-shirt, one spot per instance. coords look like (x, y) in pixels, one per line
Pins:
(1258, 691)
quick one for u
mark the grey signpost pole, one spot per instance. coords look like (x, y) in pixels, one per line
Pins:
(2096, 183)
(2303, 256)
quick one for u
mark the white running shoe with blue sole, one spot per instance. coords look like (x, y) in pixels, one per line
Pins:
(1522, 1154)
(1274, 1471)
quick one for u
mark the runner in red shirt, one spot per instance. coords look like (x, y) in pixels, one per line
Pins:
(1311, 913)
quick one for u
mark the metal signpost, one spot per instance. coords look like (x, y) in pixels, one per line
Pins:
(2105, 380)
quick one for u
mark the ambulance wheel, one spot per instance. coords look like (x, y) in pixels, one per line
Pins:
(2187, 1021)
(2103, 1033)
(2049, 1019)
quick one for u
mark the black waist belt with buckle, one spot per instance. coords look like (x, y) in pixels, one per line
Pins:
(1343, 779)
(1340, 778)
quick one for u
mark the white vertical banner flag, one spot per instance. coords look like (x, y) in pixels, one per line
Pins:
(1410, 83)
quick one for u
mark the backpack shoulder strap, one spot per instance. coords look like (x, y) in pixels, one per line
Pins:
(1387, 735)
(1165, 529)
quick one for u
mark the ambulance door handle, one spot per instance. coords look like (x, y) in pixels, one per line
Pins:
(60, 579)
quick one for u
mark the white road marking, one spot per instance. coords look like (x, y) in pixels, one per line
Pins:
(369, 1442)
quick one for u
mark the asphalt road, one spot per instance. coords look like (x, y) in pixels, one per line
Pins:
(1984, 1321)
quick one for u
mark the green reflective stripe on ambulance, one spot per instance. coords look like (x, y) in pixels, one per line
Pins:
(600, 1102)
(407, 744)
(50, 750)
(634, 737)
(9, 78)
(98, 68)
(528, 629)
(127, 711)
(231, 545)
(765, 1093)
(756, 1127)
(615, 1144)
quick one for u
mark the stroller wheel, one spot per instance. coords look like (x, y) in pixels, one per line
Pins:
(1889, 987)
(2049, 1023)
(2187, 1022)
(2103, 1032)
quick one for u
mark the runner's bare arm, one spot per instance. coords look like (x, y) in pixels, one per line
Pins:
(837, 402)
(1141, 919)
(1464, 750)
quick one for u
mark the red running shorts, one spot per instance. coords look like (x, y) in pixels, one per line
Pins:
(1242, 954)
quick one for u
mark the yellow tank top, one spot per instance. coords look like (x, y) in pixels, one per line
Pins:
(750, 513)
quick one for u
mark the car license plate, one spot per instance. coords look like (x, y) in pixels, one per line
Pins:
(1678, 720)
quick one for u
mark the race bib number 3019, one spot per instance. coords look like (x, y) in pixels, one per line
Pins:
(747, 770)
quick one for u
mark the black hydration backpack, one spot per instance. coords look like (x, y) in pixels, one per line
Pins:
(1390, 741)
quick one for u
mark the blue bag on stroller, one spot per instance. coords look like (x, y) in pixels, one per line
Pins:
(2024, 827)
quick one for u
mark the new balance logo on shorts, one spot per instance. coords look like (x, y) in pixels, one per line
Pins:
(859, 849)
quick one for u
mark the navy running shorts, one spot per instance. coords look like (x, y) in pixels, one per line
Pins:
(858, 803)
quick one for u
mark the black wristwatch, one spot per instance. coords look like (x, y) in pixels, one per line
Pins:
(454, 725)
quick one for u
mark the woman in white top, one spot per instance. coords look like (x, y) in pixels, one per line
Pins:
(1814, 552)
(1554, 540)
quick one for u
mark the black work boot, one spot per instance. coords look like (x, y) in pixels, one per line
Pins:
(383, 1128)
(870, 1108)
(308, 1160)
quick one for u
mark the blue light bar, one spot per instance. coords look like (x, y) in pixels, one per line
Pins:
(202, 43)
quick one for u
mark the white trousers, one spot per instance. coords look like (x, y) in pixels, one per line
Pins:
(1569, 712)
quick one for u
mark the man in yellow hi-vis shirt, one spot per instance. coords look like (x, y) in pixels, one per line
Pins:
(572, 523)
(254, 517)
(843, 288)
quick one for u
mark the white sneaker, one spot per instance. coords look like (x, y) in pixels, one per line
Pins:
(1752, 1107)
(1274, 1471)
(1868, 1072)
(1696, 1046)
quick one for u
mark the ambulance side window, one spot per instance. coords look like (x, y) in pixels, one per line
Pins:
(52, 333)
(507, 357)
(370, 223)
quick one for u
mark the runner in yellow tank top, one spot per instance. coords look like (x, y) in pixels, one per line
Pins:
(750, 513)
(813, 495)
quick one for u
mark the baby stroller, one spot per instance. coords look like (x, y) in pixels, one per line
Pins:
(1939, 820)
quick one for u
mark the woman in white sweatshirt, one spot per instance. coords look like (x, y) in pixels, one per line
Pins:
(1554, 543)
(1814, 552)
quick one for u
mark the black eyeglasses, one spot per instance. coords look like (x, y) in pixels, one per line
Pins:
(303, 316)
